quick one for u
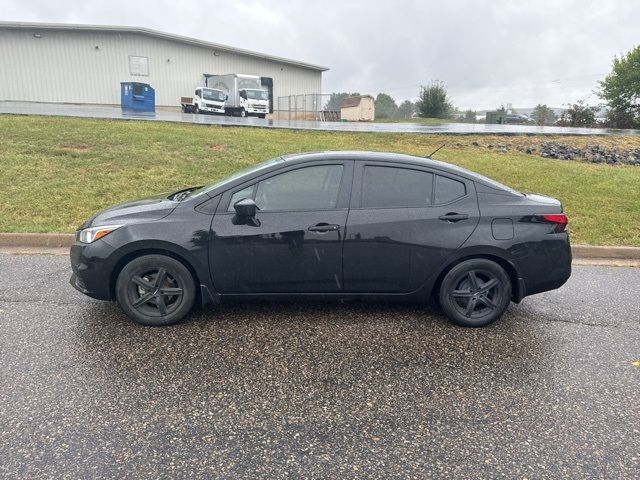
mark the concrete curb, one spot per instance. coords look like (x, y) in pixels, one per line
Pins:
(65, 240)
(30, 240)
(617, 253)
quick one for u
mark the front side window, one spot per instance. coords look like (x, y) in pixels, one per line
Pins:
(309, 188)
(396, 187)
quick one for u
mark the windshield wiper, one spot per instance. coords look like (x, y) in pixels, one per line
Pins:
(180, 195)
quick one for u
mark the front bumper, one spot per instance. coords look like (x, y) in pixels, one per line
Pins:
(212, 109)
(92, 265)
(264, 110)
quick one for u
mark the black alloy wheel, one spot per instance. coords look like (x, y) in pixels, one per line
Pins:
(475, 293)
(155, 290)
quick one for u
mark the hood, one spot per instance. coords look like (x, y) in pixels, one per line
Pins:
(147, 209)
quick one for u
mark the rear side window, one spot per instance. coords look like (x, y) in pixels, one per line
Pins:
(396, 187)
(448, 190)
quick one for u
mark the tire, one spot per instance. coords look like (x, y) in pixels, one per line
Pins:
(242, 113)
(155, 290)
(262, 115)
(475, 293)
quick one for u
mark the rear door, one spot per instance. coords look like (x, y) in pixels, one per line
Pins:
(404, 222)
(294, 244)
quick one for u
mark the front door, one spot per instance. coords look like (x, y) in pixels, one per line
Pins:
(294, 243)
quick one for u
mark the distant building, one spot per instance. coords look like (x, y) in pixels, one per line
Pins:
(65, 63)
(360, 108)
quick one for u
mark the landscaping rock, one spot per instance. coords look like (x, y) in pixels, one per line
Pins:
(593, 153)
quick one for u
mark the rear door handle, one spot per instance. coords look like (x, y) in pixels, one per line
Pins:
(324, 227)
(453, 217)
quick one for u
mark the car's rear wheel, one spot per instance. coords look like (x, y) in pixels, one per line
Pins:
(475, 293)
(155, 290)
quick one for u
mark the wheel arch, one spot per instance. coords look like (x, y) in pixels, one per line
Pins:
(517, 288)
(155, 250)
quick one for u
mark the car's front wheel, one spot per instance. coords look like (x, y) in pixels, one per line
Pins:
(475, 293)
(155, 290)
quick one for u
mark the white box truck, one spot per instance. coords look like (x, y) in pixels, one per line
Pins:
(245, 94)
(204, 100)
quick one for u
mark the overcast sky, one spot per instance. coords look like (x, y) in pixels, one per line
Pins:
(488, 53)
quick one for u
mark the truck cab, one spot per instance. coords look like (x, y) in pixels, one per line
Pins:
(254, 101)
(205, 100)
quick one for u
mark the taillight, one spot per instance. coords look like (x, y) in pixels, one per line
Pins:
(559, 219)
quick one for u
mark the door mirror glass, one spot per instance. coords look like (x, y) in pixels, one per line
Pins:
(245, 207)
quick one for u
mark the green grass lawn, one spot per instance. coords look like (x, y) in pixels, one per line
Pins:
(55, 172)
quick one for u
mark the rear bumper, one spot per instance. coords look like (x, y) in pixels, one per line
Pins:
(547, 267)
(92, 266)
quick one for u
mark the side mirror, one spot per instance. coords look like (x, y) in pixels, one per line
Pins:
(246, 207)
(226, 97)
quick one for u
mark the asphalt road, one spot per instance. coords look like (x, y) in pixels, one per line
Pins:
(318, 391)
(105, 111)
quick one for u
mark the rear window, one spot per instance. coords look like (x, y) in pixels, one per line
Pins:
(448, 190)
(396, 187)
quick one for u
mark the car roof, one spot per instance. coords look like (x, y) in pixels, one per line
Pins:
(396, 158)
(377, 157)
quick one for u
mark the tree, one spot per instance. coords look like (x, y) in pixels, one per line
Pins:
(433, 101)
(621, 90)
(579, 115)
(406, 109)
(543, 115)
(333, 105)
(386, 106)
(469, 116)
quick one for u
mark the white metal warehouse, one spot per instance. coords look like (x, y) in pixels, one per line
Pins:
(65, 63)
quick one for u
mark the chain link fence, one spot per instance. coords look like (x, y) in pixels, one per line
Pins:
(314, 106)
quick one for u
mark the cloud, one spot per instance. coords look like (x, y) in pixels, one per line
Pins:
(488, 52)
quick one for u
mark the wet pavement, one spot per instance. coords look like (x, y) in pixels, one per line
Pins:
(90, 111)
(306, 390)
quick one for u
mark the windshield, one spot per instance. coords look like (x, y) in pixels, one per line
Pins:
(257, 95)
(246, 171)
(215, 95)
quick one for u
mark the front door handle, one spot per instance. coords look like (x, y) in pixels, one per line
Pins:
(453, 217)
(324, 227)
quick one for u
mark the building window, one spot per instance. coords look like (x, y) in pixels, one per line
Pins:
(139, 65)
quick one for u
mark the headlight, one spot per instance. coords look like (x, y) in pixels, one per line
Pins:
(89, 235)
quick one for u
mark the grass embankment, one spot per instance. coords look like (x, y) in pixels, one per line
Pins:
(55, 172)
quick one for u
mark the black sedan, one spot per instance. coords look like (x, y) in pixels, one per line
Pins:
(328, 225)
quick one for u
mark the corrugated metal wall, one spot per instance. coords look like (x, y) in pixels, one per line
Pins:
(87, 67)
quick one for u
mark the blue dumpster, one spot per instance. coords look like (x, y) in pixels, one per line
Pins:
(137, 97)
